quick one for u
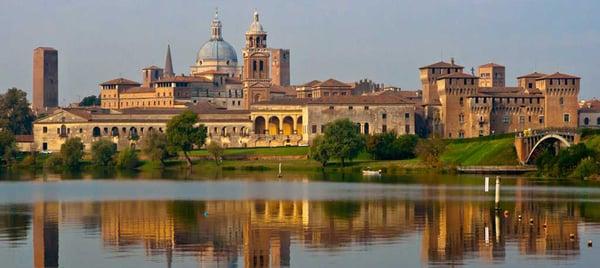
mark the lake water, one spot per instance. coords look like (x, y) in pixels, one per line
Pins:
(252, 219)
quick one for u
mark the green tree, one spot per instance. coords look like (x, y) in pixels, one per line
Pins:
(8, 147)
(390, 146)
(183, 134)
(15, 113)
(318, 151)
(154, 146)
(90, 101)
(103, 152)
(54, 162)
(71, 153)
(215, 150)
(342, 140)
(128, 159)
(430, 150)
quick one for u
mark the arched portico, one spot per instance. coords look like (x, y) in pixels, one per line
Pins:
(273, 126)
(288, 125)
(259, 125)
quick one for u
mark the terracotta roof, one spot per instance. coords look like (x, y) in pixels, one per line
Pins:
(590, 106)
(120, 81)
(138, 90)
(312, 83)
(491, 64)
(557, 75)
(24, 138)
(153, 67)
(531, 75)
(233, 80)
(363, 99)
(183, 79)
(456, 75)
(441, 64)
(287, 90)
(209, 108)
(212, 72)
(332, 83)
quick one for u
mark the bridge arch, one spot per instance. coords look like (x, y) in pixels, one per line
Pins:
(544, 140)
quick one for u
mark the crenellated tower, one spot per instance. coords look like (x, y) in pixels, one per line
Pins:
(256, 76)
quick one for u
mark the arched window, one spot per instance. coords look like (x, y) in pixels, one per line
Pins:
(461, 118)
(253, 65)
(462, 101)
(261, 65)
(586, 121)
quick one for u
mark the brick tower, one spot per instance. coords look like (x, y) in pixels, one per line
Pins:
(256, 77)
(45, 78)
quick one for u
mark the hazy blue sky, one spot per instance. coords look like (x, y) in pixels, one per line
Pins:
(349, 40)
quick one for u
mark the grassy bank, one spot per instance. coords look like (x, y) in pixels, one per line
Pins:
(276, 151)
(484, 151)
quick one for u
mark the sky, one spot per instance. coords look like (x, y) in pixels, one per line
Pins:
(385, 41)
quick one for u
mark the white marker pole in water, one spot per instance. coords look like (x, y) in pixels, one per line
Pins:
(487, 235)
(497, 193)
(487, 184)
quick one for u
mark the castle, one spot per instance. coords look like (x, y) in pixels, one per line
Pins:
(254, 105)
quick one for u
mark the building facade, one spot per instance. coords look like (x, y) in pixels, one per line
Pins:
(461, 105)
(45, 78)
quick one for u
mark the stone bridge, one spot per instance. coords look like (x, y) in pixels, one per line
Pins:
(530, 143)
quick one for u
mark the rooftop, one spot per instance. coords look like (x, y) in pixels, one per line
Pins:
(558, 75)
(531, 75)
(441, 64)
(456, 75)
(491, 64)
(120, 81)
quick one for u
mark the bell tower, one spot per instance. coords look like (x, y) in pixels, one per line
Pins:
(256, 76)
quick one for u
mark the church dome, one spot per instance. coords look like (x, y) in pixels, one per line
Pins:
(219, 50)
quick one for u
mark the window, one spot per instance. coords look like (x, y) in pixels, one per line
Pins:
(530, 85)
(330, 107)
(383, 116)
(598, 121)
(541, 119)
(314, 129)
(350, 107)
(384, 128)
(44, 146)
(566, 118)
(406, 115)
(461, 101)
(406, 129)
(45, 130)
(366, 107)
(505, 119)
(521, 119)
(586, 121)
(561, 101)
(461, 118)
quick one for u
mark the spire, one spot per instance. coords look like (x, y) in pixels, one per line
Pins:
(255, 26)
(216, 27)
(168, 71)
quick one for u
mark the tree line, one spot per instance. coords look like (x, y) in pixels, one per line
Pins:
(342, 140)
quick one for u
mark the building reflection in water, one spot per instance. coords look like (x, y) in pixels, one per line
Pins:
(260, 233)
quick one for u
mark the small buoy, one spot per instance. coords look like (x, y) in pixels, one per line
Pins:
(205, 214)
(589, 243)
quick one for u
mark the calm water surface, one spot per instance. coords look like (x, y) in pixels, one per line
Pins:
(304, 220)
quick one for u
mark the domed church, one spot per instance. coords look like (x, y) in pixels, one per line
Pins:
(216, 54)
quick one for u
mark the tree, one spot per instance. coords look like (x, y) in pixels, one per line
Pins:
(71, 153)
(7, 147)
(128, 159)
(342, 140)
(103, 152)
(15, 114)
(90, 101)
(430, 150)
(215, 151)
(318, 151)
(155, 147)
(183, 135)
